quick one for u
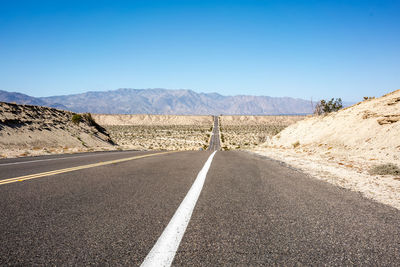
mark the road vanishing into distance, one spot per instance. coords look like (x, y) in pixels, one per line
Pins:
(215, 142)
(193, 208)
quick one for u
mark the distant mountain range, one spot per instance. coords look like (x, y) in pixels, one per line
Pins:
(18, 98)
(163, 101)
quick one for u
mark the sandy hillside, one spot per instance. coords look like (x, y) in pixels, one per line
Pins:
(33, 130)
(343, 146)
(149, 120)
(369, 129)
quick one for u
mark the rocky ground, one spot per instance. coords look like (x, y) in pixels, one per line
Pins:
(27, 130)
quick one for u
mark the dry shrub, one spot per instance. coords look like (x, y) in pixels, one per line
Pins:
(76, 118)
(325, 107)
(296, 144)
(385, 169)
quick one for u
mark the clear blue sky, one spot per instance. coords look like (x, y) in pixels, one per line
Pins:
(304, 49)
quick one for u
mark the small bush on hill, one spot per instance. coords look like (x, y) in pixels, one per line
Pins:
(76, 118)
(91, 122)
(369, 97)
(385, 169)
(296, 144)
(324, 107)
(88, 117)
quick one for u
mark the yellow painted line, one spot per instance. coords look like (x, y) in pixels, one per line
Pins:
(44, 174)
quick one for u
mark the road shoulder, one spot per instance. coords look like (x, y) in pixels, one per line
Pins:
(341, 173)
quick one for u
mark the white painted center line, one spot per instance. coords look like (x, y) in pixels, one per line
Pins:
(163, 252)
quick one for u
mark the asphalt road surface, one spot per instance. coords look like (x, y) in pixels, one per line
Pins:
(112, 208)
(214, 140)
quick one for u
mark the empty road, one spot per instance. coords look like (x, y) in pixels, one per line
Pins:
(224, 208)
(214, 139)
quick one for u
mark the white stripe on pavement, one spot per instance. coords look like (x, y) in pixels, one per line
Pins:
(163, 252)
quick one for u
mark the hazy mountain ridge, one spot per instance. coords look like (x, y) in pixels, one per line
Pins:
(163, 101)
(14, 97)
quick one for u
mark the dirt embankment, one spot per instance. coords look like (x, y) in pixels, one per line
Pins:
(34, 130)
(343, 146)
(369, 130)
